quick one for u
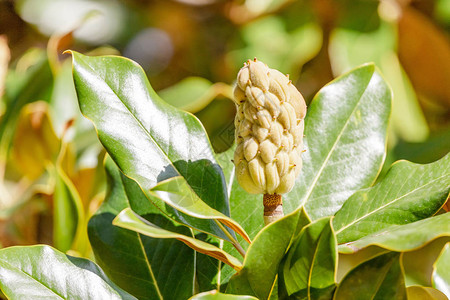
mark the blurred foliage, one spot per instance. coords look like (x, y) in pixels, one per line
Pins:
(51, 179)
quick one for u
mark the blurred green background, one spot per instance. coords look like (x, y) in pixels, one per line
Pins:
(51, 175)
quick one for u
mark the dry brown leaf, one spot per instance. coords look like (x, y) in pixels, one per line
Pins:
(424, 51)
(35, 143)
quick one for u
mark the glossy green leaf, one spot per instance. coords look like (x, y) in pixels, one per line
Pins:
(202, 225)
(264, 255)
(176, 193)
(193, 93)
(408, 193)
(441, 271)
(309, 269)
(146, 267)
(148, 139)
(130, 220)
(345, 140)
(41, 272)
(379, 278)
(403, 237)
(215, 295)
(417, 292)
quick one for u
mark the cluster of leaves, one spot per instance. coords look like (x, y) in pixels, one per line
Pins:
(51, 175)
(174, 220)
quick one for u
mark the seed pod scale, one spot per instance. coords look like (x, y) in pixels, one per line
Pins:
(270, 138)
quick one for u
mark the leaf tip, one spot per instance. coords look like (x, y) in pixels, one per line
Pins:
(370, 66)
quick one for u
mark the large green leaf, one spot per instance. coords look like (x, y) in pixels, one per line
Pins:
(441, 272)
(179, 196)
(41, 272)
(208, 269)
(130, 220)
(403, 237)
(345, 140)
(309, 269)
(264, 255)
(148, 139)
(379, 278)
(146, 267)
(409, 192)
(176, 193)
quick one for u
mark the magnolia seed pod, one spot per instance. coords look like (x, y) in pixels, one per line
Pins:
(269, 134)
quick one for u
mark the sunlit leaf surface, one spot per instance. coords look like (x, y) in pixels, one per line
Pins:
(41, 272)
(345, 138)
(403, 237)
(148, 268)
(409, 193)
(148, 139)
(130, 220)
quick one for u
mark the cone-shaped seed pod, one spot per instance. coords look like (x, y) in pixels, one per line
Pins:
(269, 134)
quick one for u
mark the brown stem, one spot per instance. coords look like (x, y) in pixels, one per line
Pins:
(273, 208)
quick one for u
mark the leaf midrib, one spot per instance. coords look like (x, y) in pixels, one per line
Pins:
(319, 173)
(137, 120)
(149, 267)
(143, 127)
(312, 265)
(387, 204)
(35, 279)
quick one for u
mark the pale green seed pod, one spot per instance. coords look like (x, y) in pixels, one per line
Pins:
(269, 130)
